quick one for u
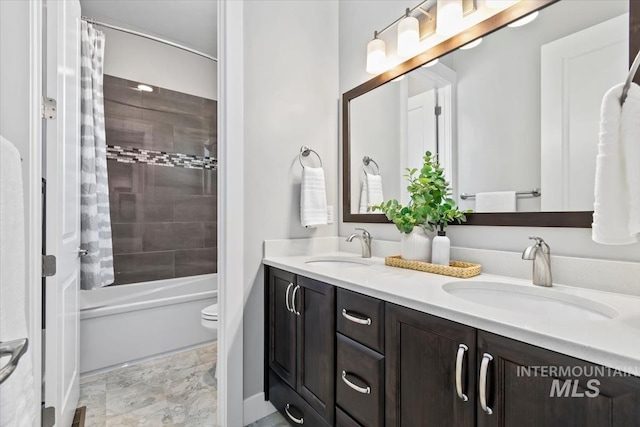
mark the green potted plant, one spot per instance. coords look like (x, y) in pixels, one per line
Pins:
(429, 207)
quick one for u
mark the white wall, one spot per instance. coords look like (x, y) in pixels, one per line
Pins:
(291, 99)
(136, 58)
(356, 29)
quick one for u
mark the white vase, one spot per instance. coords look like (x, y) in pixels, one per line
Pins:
(416, 246)
(441, 249)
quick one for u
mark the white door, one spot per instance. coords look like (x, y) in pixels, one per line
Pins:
(61, 388)
(571, 97)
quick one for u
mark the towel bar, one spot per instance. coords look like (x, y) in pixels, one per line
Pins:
(366, 161)
(304, 152)
(535, 193)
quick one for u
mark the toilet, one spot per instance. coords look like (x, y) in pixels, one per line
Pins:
(210, 317)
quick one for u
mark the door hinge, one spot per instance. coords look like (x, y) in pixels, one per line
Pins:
(48, 416)
(49, 108)
(438, 110)
(48, 265)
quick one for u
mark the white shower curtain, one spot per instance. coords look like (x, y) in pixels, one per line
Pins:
(97, 264)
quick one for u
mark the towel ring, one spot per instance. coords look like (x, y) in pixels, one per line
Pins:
(304, 152)
(632, 72)
(366, 161)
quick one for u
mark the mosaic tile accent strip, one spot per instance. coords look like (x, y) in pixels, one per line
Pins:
(160, 158)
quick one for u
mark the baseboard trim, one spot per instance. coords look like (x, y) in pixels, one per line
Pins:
(255, 407)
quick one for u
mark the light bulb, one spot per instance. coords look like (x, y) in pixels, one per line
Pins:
(408, 36)
(145, 88)
(376, 56)
(431, 63)
(500, 4)
(449, 17)
(471, 45)
(524, 21)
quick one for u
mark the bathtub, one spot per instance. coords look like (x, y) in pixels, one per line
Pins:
(135, 322)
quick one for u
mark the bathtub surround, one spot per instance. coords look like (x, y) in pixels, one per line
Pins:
(163, 182)
(96, 266)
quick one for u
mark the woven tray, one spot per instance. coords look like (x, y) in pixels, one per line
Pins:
(460, 269)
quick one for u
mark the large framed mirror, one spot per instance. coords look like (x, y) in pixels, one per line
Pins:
(514, 120)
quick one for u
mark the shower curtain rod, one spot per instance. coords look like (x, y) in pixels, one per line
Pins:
(147, 36)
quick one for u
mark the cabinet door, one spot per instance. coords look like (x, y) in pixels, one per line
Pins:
(564, 392)
(421, 353)
(282, 325)
(315, 301)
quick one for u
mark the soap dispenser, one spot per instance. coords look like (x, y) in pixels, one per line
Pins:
(441, 248)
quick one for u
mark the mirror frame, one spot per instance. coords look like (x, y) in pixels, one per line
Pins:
(573, 219)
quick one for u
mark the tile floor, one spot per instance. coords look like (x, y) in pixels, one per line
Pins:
(178, 390)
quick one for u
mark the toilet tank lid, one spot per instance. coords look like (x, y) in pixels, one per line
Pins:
(210, 311)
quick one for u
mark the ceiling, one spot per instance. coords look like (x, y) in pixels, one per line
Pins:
(192, 23)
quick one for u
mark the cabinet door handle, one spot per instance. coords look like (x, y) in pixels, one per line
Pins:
(356, 319)
(484, 367)
(293, 300)
(286, 298)
(363, 390)
(294, 419)
(459, 361)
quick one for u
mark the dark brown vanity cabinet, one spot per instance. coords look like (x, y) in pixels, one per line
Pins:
(301, 346)
(560, 392)
(430, 370)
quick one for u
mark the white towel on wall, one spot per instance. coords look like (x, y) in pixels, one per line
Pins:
(313, 198)
(496, 201)
(17, 393)
(616, 216)
(371, 192)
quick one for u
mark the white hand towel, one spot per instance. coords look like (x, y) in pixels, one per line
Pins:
(17, 393)
(496, 201)
(631, 148)
(613, 191)
(371, 192)
(364, 197)
(313, 198)
(374, 189)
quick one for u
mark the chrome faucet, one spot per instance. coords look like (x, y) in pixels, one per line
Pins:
(539, 253)
(365, 240)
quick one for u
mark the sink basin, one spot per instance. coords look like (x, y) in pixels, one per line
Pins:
(531, 300)
(340, 262)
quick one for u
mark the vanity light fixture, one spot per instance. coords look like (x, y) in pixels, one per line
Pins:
(449, 17)
(524, 21)
(145, 88)
(408, 35)
(471, 45)
(431, 63)
(376, 55)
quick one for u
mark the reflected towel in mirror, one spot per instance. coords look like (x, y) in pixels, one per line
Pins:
(496, 201)
(371, 192)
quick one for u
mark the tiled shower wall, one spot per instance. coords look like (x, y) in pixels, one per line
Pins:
(163, 216)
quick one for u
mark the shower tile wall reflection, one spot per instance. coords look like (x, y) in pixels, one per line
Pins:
(163, 218)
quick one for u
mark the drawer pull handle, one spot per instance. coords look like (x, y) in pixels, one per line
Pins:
(286, 298)
(294, 419)
(484, 367)
(363, 390)
(356, 319)
(459, 361)
(293, 300)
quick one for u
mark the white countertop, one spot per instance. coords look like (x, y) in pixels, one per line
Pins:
(610, 342)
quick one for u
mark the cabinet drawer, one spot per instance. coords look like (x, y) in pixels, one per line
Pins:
(362, 318)
(360, 382)
(344, 420)
(291, 405)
